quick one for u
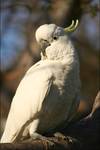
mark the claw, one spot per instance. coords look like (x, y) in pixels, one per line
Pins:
(37, 136)
(60, 136)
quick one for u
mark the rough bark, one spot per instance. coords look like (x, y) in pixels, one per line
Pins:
(81, 135)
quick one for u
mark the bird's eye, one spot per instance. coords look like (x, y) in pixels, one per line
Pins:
(55, 38)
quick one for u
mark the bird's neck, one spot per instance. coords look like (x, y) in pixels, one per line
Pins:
(63, 51)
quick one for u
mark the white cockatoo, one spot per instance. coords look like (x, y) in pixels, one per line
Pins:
(49, 93)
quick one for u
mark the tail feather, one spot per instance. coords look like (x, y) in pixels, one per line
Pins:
(7, 137)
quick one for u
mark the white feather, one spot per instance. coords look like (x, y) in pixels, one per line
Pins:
(48, 95)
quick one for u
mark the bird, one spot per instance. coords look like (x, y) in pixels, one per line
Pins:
(49, 93)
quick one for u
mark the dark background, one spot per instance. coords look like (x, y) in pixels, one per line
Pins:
(19, 50)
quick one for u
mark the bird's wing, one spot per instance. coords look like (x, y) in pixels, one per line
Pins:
(28, 99)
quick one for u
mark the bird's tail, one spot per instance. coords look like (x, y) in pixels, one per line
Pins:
(7, 137)
(11, 130)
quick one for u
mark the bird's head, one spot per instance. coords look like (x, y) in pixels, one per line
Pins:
(49, 33)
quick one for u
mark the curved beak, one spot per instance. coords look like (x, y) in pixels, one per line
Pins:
(43, 45)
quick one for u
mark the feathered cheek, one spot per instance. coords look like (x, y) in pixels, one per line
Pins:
(50, 53)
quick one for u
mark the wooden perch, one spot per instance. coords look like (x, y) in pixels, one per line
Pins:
(84, 135)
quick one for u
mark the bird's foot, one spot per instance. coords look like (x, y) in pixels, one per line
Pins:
(60, 136)
(36, 136)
